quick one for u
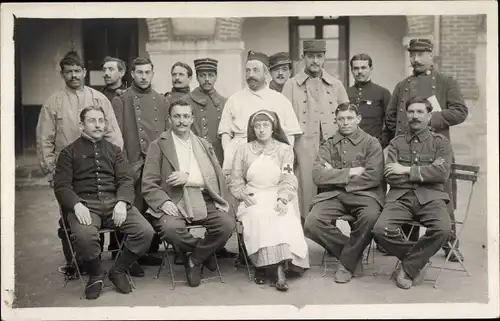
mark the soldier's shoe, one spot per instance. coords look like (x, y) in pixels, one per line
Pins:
(120, 281)
(94, 287)
(419, 279)
(193, 272)
(342, 275)
(135, 270)
(210, 263)
(403, 280)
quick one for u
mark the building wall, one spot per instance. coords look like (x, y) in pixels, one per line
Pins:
(43, 43)
(381, 38)
(143, 38)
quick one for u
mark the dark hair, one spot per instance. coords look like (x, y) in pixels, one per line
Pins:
(120, 63)
(72, 58)
(278, 132)
(419, 100)
(179, 102)
(347, 107)
(183, 65)
(87, 109)
(139, 61)
(361, 56)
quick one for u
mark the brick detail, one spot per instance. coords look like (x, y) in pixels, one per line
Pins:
(159, 29)
(458, 51)
(229, 29)
(420, 25)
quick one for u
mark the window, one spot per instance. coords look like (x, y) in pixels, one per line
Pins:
(334, 30)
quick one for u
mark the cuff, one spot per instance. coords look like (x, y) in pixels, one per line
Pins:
(415, 174)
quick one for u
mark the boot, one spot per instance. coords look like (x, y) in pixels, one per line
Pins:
(342, 275)
(96, 279)
(193, 272)
(117, 274)
(281, 283)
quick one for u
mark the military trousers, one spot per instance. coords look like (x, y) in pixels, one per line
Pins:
(219, 228)
(320, 226)
(86, 238)
(432, 215)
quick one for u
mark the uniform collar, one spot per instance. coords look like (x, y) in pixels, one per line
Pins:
(427, 72)
(201, 97)
(90, 139)
(302, 77)
(420, 135)
(363, 84)
(111, 90)
(355, 137)
(139, 90)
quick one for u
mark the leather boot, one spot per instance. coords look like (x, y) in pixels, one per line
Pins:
(118, 275)
(96, 279)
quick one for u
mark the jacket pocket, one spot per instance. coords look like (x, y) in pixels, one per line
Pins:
(404, 158)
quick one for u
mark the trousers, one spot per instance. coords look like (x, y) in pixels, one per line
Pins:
(219, 227)
(414, 255)
(86, 238)
(320, 226)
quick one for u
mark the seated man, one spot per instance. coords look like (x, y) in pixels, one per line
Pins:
(92, 183)
(349, 170)
(183, 183)
(418, 166)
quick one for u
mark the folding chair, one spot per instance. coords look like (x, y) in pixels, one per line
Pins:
(239, 233)
(73, 253)
(324, 262)
(165, 259)
(462, 172)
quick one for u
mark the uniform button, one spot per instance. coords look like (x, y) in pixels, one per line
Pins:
(156, 119)
(401, 109)
(344, 152)
(205, 137)
(414, 152)
(304, 111)
(154, 98)
(157, 130)
(331, 103)
(205, 127)
(316, 110)
(328, 92)
(305, 101)
(416, 159)
(402, 100)
(138, 118)
(100, 192)
(304, 122)
(98, 179)
(433, 87)
(141, 129)
(142, 140)
(218, 109)
(97, 161)
(415, 141)
(156, 108)
(137, 107)
(345, 162)
(97, 173)
(218, 117)
(406, 89)
(135, 97)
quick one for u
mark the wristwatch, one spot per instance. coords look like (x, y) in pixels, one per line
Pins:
(284, 201)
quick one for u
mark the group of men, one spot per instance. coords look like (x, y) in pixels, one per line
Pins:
(148, 141)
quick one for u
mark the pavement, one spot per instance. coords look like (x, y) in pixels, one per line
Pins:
(38, 255)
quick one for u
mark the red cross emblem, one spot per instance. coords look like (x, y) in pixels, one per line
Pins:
(287, 168)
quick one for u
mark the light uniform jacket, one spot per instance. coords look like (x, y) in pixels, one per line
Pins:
(58, 123)
(314, 101)
(341, 153)
(161, 162)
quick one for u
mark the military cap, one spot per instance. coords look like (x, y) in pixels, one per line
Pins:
(278, 59)
(254, 55)
(420, 45)
(205, 64)
(315, 45)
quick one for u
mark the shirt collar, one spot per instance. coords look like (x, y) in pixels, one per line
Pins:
(90, 139)
(420, 135)
(302, 77)
(355, 137)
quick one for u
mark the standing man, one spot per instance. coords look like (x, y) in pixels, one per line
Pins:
(372, 99)
(58, 123)
(314, 95)
(142, 114)
(280, 66)
(181, 78)
(418, 167)
(350, 167)
(114, 69)
(207, 105)
(448, 104)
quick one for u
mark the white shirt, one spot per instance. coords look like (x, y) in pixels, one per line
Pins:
(188, 162)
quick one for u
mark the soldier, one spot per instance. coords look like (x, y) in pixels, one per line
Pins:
(372, 99)
(207, 106)
(280, 67)
(418, 167)
(449, 108)
(349, 167)
(114, 69)
(142, 114)
(314, 95)
(181, 78)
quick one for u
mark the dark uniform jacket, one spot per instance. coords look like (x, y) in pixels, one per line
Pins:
(142, 116)
(92, 170)
(112, 93)
(275, 86)
(207, 111)
(425, 85)
(430, 156)
(342, 153)
(372, 100)
(176, 94)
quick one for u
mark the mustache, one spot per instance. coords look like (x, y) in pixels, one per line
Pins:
(280, 77)
(177, 82)
(252, 78)
(414, 121)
